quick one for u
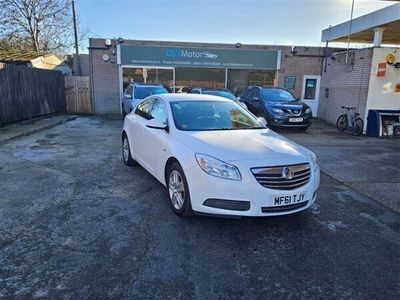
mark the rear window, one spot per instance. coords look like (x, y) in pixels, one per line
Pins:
(142, 92)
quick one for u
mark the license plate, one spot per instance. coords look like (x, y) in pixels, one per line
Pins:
(280, 200)
(295, 119)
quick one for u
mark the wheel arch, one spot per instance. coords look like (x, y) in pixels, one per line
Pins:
(168, 163)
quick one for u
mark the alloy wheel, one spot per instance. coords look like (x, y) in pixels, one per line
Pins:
(125, 149)
(176, 189)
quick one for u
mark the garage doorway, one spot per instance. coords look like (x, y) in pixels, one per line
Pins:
(310, 92)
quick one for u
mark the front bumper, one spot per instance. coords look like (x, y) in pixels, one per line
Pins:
(282, 120)
(217, 196)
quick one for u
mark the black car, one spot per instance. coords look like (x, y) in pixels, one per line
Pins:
(278, 106)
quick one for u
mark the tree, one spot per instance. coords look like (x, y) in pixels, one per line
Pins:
(41, 25)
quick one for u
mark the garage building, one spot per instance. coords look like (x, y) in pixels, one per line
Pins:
(116, 62)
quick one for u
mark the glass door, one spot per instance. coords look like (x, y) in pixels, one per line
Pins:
(310, 93)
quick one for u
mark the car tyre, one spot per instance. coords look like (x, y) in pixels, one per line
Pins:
(178, 191)
(126, 152)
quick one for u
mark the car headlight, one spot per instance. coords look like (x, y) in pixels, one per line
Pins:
(277, 110)
(314, 160)
(308, 110)
(217, 168)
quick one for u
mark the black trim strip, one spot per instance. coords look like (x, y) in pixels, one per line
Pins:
(273, 209)
(228, 204)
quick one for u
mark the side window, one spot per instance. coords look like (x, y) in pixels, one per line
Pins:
(143, 109)
(128, 90)
(257, 94)
(252, 94)
(246, 93)
(159, 111)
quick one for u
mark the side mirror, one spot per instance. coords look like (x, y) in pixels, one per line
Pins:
(262, 121)
(156, 124)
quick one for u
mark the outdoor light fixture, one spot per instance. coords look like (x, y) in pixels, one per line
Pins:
(105, 57)
(238, 45)
(108, 42)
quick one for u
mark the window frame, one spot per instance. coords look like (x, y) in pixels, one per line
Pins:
(165, 108)
(144, 115)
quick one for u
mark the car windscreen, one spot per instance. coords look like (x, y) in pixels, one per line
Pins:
(277, 95)
(142, 92)
(224, 94)
(212, 115)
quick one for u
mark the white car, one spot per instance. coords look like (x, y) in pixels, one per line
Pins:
(215, 157)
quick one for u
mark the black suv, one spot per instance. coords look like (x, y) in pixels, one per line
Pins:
(278, 106)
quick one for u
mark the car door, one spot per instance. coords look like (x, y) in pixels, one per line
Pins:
(258, 103)
(156, 140)
(248, 99)
(137, 133)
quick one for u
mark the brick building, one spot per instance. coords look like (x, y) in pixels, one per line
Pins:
(115, 62)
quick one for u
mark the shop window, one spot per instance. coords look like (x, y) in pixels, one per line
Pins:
(239, 80)
(200, 77)
(147, 75)
(290, 82)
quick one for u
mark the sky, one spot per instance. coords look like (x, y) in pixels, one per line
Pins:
(281, 22)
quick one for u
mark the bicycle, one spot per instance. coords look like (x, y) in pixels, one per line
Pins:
(350, 120)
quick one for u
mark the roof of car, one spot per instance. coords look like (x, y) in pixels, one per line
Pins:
(263, 87)
(190, 97)
(146, 84)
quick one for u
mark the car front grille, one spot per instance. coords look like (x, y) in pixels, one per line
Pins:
(294, 112)
(275, 178)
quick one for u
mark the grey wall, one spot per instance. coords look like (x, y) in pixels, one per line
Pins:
(347, 83)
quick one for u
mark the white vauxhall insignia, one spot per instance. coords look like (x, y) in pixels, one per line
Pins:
(215, 157)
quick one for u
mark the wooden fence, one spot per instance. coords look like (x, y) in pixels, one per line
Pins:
(77, 94)
(29, 92)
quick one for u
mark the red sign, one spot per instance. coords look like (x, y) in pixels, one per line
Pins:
(381, 70)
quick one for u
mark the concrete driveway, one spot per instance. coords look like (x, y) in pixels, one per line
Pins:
(368, 165)
(76, 223)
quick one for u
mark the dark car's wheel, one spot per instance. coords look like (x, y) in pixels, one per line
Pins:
(126, 152)
(178, 190)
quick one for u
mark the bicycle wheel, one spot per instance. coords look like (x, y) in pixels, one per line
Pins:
(341, 123)
(358, 126)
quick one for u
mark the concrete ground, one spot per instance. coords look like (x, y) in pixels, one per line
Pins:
(75, 222)
(368, 165)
